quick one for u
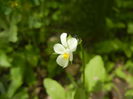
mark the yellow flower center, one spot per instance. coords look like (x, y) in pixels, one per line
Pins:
(66, 55)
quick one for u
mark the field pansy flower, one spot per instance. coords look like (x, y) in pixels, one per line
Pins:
(65, 49)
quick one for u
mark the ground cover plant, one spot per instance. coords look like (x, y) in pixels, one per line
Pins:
(66, 49)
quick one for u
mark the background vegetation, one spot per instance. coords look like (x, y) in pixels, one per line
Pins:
(30, 28)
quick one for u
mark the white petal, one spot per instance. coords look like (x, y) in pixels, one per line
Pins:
(72, 43)
(63, 38)
(59, 49)
(71, 56)
(61, 61)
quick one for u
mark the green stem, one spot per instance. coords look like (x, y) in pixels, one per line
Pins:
(83, 63)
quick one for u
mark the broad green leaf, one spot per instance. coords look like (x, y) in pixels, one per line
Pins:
(119, 72)
(80, 94)
(54, 89)
(70, 94)
(4, 60)
(129, 93)
(94, 72)
(23, 94)
(16, 77)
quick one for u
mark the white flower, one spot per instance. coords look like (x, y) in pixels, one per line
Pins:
(65, 49)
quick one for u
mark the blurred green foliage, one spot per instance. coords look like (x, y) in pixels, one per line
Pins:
(30, 28)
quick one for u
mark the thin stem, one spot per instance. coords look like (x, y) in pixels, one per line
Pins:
(83, 63)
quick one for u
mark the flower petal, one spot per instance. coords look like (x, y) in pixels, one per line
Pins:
(63, 38)
(72, 43)
(71, 57)
(59, 49)
(61, 61)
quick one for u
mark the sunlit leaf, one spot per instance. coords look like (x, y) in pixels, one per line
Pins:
(54, 89)
(4, 60)
(129, 93)
(120, 73)
(94, 72)
(70, 93)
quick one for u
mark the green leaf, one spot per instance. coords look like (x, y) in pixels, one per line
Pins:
(13, 33)
(130, 28)
(129, 93)
(109, 23)
(127, 77)
(54, 89)
(129, 66)
(94, 72)
(21, 95)
(4, 60)
(119, 72)
(70, 93)
(16, 77)
(80, 94)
